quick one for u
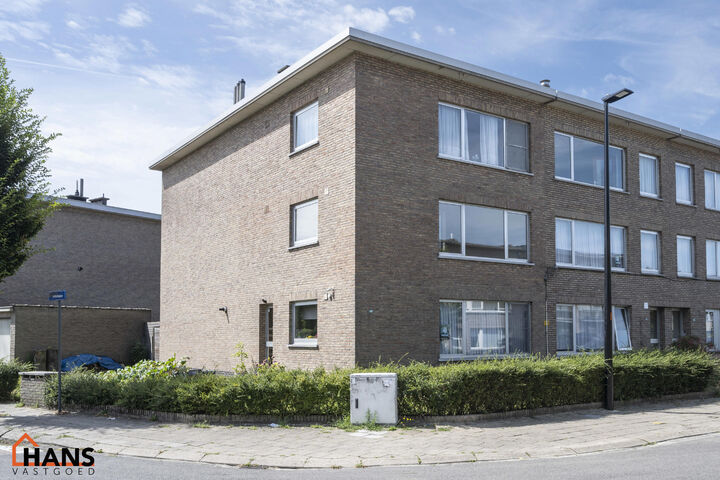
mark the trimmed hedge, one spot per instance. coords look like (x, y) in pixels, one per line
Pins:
(454, 389)
(9, 378)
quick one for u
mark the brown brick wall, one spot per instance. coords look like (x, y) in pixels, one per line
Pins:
(99, 331)
(119, 256)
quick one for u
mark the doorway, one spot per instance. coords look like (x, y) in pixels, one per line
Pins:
(655, 330)
(712, 329)
(268, 334)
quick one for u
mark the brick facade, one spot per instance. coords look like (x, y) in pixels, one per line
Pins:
(378, 178)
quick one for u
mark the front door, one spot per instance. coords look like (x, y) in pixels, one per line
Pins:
(269, 334)
(5, 339)
(712, 329)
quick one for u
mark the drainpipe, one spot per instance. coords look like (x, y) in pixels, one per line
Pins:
(548, 272)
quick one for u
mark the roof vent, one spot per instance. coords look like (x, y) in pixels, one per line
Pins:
(100, 200)
(283, 68)
(239, 91)
(79, 192)
(545, 83)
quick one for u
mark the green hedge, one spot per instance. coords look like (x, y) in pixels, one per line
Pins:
(9, 378)
(460, 388)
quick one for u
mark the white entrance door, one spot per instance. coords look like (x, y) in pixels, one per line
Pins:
(4, 339)
(712, 328)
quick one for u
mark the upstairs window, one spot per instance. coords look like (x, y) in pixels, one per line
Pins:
(304, 223)
(480, 138)
(582, 244)
(712, 190)
(305, 127)
(683, 184)
(649, 176)
(583, 161)
(685, 257)
(649, 251)
(712, 250)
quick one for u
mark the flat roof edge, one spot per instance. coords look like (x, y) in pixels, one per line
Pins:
(108, 209)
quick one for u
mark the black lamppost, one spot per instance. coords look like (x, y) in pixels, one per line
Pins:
(609, 400)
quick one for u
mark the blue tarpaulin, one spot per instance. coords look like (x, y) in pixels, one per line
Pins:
(86, 359)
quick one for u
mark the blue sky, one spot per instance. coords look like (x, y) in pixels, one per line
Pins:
(124, 82)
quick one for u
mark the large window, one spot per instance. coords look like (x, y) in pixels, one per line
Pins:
(581, 328)
(483, 232)
(712, 254)
(712, 190)
(305, 127)
(480, 138)
(649, 251)
(304, 323)
(685, 256)
(304, 223)
(649, 176)
(683, 184)
(583, 161)
(582, 244)
(481, 328)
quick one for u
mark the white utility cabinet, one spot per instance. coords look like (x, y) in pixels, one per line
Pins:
(375, 393)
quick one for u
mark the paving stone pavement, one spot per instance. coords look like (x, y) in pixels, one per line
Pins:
(550, 435)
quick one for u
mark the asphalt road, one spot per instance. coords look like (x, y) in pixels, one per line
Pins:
(692, 458)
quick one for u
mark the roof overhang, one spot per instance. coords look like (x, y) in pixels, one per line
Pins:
(68, 202)
(352, 40)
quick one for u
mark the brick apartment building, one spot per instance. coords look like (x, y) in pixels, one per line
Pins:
(378, 201)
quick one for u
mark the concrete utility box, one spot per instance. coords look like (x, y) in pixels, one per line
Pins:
(375, 393)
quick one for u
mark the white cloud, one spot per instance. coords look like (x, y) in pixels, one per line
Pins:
(73, 24)
(621, 80)
(416, 36)
(21, 7)
(103, 52)
(133, 17)
(444, 30)
(168, 76)
(148, 47)
(402, 14)
(11, 31)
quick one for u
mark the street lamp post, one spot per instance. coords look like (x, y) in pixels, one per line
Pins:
(609, 395)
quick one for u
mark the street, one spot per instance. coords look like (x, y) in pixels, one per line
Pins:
(691, 458)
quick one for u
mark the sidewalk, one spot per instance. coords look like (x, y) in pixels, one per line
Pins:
(552, 435)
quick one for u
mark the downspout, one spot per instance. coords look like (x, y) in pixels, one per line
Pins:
(548, 272)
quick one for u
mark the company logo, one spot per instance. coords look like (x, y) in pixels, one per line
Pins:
(48, 460)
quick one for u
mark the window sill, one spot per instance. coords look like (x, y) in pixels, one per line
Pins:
(487, 165)
(480, 259)
(713, 279)
(302, 148)
(575, 182)
(687, 277)
(691, 205)
(304, 245)
(305, 346)
(591, 269)
(652, 274)
(458, 358)
(651, 197)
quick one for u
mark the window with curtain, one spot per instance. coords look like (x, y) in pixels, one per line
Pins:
(650, 251)
(685, 254)
(583, 161)
(305, 126)
(581, 328)
(582, 244)
(476, 137)
(483, 328)
(712, 255)
(712, 190)
(304, 323)
(483, 232)
(683, 184)
(649, 176)
(304, 223)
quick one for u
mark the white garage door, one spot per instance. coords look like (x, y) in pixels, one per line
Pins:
(4, 338)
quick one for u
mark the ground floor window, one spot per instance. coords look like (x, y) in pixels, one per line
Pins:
(712, 320)
(304, 323)
(677, 324)
(481, 328)
(581, 328)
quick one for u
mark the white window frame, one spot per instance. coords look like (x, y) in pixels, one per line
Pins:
(308, 241)
(709, 243)
(692, 256)
(657, 177)
(297, 147)
(303, 342)
(659, 252)
(572, 163)
(465, 329)
(505, 235)
(691, 179)
(575, 329)
(716, 189)
(572, 246)
(463, 140)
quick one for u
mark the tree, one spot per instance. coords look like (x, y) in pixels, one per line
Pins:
(24, 179)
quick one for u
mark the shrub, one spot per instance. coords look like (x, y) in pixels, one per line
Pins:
(689, 342)
(83, 388)
(138, 352)
(9, 378)
(150, 368)
(452, 389)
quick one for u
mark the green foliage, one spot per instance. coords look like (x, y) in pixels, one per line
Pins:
(9, 379)
(241, 355)
(453, 389)
(689, 342)
(23, 175)
(150, 368)
(138, 352)
(83, 388)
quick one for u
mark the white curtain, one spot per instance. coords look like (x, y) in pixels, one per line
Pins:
(684, 256)
(617, 247)
(589, 244)
(590, 328)
(712, 190)
(449, 134)
(712, 249)
(486, 329)
(490, 140)
(682, 184)
(563, 241)
(648, 175)
(622, 328)
(649, 252)
(306, 126)
(564, 320)
(451, 334)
